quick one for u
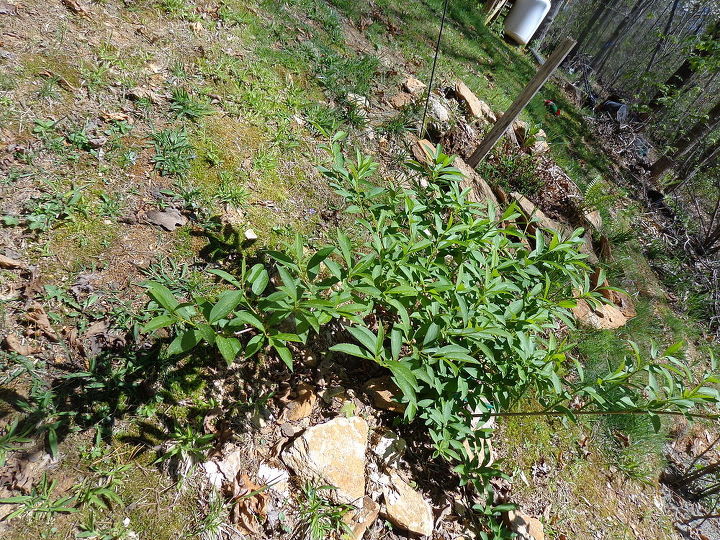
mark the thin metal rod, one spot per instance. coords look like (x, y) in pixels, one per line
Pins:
(432, 73)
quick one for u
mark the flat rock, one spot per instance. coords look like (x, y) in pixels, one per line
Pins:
(481, 190)
(302, 405)
(332, 453)
(526, 527)
(401, 99)
(477, 108)
(604, 317)
(169, 219)
(384, 394)
(406, 508)
(361, 519)
(412, 85)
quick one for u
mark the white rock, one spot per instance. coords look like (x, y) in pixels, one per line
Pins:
(332, 453)
(277, 479)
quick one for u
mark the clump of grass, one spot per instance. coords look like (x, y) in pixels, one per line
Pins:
(318, 517)
(183, 105)
(173, 152)
(230, 191)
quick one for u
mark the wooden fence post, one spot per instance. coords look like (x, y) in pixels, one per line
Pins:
(493, 8)
(506, 120)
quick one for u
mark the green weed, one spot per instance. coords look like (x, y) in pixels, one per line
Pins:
(173, 152)
(318, 517)
(183, 105)
(39, 502)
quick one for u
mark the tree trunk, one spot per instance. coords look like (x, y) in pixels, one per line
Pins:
(541, 33)
(682, 74)
(709, 155)
(609, 45)
(668, 26)
(601, 10)
(686, 144)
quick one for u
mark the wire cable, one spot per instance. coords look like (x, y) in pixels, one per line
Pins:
(432, 73)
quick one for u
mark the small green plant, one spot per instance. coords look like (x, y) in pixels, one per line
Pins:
(183, 105)
(187, 447)
(512, 170)
(318, 517)
(173, 152)
(214, 524)
(323, 120)
(458, 305)
(101, 495)
(39, 501)
(51, 209)
(599, 195)
(230, 191)
(110, 205)
(90, 529)
(11, 439)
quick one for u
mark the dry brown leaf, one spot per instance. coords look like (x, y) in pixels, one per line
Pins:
(36, 315)
(251, 501)
(114, 116)
(8, 9)
(12, 343)
(11, 264)
(61, 81)
(76, 7)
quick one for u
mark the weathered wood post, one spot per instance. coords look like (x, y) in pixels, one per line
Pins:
(493, 8)
(506, 120)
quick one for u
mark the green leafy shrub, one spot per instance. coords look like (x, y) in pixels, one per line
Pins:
(459, 305)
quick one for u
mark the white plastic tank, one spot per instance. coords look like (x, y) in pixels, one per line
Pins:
(524, 19)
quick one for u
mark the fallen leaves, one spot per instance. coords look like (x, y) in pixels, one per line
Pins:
(76, 7)
(11, 264)
(36, 315)
(249, 501)
(12, 343)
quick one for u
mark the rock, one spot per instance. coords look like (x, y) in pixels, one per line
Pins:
(412, 85)
(278, 480)
(384, 393)
(250, 236)
(169, 219)
(226, 470)
(406, 508)
(481, 190)
(604, 317)
(593, 218)
(541, 146)
(332, 453)
(477, 108)
(361, 519)
(401, 99)
(422, 150)
(543, 220)
(387, 446)
(360, 102)
(520, 129)
(438, 117)
(526, 527)
(586, 248)
(624, 304)
(303, 405)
